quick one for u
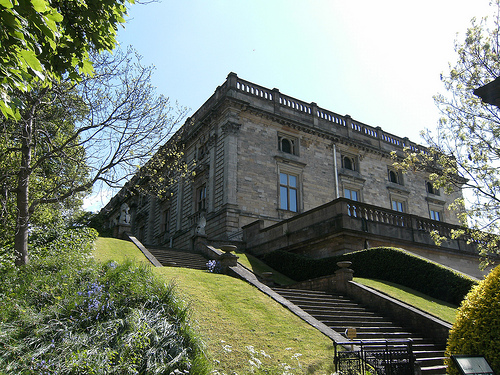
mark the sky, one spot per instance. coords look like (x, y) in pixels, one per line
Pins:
(377, 61)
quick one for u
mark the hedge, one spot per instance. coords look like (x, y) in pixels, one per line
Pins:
(388, 264)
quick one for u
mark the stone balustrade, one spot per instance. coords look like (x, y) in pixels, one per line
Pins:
(289, 106)
(316, 230)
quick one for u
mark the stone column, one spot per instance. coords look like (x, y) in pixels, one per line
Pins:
(343, 276)
(348, 124)
(227, 259)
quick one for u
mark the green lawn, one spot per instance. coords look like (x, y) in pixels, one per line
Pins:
(440, 309)
(239, 325)
(258, 267)
(118, 250)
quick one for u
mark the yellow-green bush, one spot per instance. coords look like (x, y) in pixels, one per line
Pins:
(477, 328)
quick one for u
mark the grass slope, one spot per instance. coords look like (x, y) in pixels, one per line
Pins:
(244, 331)
(440, 309)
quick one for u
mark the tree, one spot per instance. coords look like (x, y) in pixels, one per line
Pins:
(464, 149)
(45, 40)
(477, 329)
(72, 137)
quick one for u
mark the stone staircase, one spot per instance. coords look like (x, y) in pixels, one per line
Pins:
(340, 313)
(336, 311)
(169, 257)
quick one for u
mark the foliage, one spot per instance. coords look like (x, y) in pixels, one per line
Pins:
(77, 316)
(386, 264)
(52, 171)
(70, 138)
(477, 329)
(43, 41)
(464, 149)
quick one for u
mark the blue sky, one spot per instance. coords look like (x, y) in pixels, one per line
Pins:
(378, 61)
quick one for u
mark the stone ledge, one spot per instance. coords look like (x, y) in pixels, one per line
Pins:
(420, 321)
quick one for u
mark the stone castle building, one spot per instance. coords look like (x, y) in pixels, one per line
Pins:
(264, 157)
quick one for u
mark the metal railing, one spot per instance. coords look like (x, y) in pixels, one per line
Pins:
(384, 357)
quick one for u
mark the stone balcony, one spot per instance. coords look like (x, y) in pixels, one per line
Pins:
(343, 226)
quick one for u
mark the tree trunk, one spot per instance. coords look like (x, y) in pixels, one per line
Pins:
(22, 216)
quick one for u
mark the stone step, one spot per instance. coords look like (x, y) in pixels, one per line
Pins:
(370, 328)
(429, 353)
(179, 258)
(340, 313)
(312, 296)
(428, 362)
(434, 370)
(332, 315)
(383, 335)
(317, 302)
(359, 323)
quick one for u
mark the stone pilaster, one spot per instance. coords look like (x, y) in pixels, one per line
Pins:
(230, 131)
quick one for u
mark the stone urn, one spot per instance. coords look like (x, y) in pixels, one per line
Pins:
(228, 259)
(344, 264)
(228, 248)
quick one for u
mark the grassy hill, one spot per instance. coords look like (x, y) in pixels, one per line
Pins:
(241, 327)
(244, 331)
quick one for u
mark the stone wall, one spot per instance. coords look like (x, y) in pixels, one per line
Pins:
(232, 142)
(343, 226)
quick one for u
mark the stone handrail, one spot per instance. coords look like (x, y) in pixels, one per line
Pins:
(345, 214)
(289, 103)
(362, 211)
(312, 109)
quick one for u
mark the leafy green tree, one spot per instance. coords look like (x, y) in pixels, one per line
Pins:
(42, 41)
(477, 329)
(465, 147)
(71, 137)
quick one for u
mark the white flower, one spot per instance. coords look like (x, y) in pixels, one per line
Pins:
(265, 354)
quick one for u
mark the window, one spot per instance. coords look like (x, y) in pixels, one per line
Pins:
(348, 162)
(287, 144)
(431, 189)
(201, 198)
(202, 151)
(435, 215)
(351, 194)
(166, 220)
(288, 192)
(395, 177)
(354, 196)
(397, 205)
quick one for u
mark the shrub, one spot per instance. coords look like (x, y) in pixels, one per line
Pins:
(477, 328)
(77, 316)
(386, 264)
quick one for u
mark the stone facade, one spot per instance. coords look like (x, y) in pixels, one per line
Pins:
(262, 155)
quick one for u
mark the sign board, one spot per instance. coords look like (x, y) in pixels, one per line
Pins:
(350, 333)
(472, 365)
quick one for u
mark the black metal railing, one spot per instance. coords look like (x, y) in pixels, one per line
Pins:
(384, 357)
